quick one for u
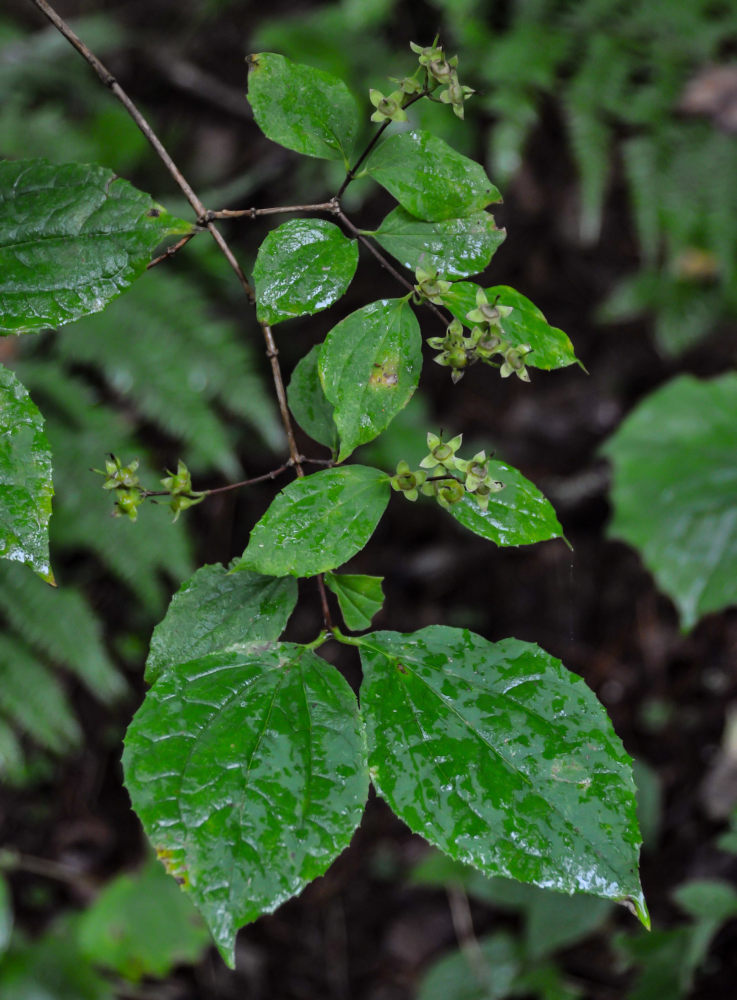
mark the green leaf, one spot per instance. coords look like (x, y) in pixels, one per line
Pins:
(307, 401)
(488, 973)
(72, 237)
(369, 367)
(503, 759)
(216, 608)
(248, 771)
(52, 968)
(517, 515)
(711, 900)
(429, 178)
(302, 108)
(360, 597)
(552, 920)
(317, 523)
(26, 487)
(454, 247)
(674, 488)
(141, 924)
(551, 348)
(302, 267)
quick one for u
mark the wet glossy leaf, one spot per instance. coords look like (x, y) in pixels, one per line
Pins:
(72, 237)
(317, 523)
(248, 771)
(489, 976)
(302, 108)
(551, 348)
(307, 401)
(26, 487)
(369, 366)
(517, 515)
(455, 247)
(429, 178)
(674, 489)
(302, 267)
(360, 597)
(141, 924)
(499, 756)
(216, 608)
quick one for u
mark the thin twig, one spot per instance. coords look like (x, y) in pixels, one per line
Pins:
(324, 602)
(250, 482)
(460, 914)
(170, 251)
(351, 175)
(340, 214)
(11, 860)
(201, 212)
(254, 213)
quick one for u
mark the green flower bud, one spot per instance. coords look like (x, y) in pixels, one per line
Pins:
(178, 502)
(127, 503)
(179, 482)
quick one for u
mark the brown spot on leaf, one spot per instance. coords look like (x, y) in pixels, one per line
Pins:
(384, 374)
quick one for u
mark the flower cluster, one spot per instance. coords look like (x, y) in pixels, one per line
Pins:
(485, 342)
(443, 71)
(130, 494)
(445, 476)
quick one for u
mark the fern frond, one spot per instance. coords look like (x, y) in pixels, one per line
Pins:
(32, 698)
(59, 623)
(160, 349)
(139, 555)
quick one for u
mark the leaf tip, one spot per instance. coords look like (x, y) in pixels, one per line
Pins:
(638, 907)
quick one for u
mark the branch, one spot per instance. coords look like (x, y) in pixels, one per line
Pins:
(253, 213)
(200, 211)
(384, 262)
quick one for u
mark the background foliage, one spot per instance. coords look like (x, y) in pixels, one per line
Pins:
(620, 202)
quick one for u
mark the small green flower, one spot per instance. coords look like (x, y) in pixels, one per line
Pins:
(484, 490)
(178, 482)
(441, 452)
(429, 286)
(455, 94)
(486, 313)
(449, 492)
(408, 481)
(127, 503)
(428, 54)
(180, 502)
(409, 85)
(387, 108)
(514, 361)
(476, 470)
(119, 475)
